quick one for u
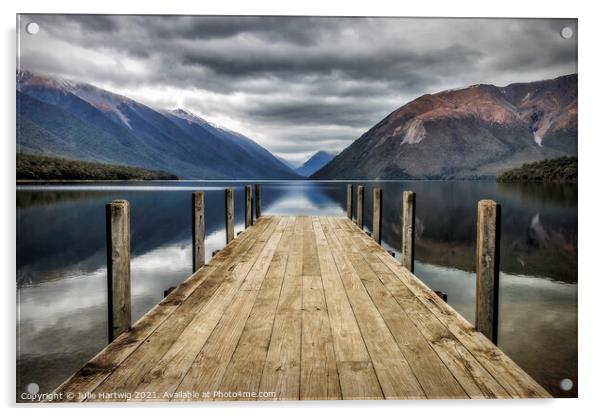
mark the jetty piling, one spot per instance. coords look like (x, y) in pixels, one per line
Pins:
(407, 237)
(442, 295)
(118, 268)
(248, 206)
(229, 215)
(257, 201)
(488, 268)
(377, 214)
(349, 201)
(198, 230)
(360, 206)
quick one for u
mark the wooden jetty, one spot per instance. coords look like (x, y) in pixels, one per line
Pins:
(303, 308)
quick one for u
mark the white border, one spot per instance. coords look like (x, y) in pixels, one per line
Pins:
(590, 144)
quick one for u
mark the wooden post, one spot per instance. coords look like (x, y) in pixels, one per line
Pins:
(257, 201)
(377, 214)
(248, 206)
(118, 268)
(407, 237)
(442, 295)
(349, 201)
(229, 215)
(360, 206)
(198, 230)
(488, 268)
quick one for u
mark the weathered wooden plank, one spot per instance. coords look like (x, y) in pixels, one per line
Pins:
(360, 207)
(198, 230)
(488, 268)
(176, 363)
(432, 374)
(254, 278)
(106, 361)
(319, 376)
(229, 211)
(392, 368)
(514, 380)
(476, 380)
(422, 300)
(509, 375)
(311, 263)
(210, 365)
(356, 373)
(246, 366)
(281, 372)
(473, 377)
(248, 206)
(167, 342)
(377, 214)
(118, 268)
(407, 235)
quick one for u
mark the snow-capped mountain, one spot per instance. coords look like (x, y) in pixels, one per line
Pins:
(81, 121)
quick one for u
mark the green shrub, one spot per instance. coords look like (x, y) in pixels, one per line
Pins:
(563, 169)
(34, 167)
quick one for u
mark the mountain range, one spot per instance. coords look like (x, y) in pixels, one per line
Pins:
(474, 132)
(315, 163)
(57, 117)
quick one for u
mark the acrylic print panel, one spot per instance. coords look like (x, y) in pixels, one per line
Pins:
(268, 208)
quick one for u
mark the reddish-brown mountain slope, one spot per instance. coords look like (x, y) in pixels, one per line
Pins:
(471, 132)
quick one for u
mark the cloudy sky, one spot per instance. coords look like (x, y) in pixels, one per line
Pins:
(294, 84)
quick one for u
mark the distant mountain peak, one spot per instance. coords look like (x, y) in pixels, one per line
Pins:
(315, 162)
(323, 153)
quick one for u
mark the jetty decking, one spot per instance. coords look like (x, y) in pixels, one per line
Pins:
(301, 308)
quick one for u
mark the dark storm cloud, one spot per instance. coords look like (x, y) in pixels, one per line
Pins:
(96, 23)
(274, 29)
(364, 65)
(316, 113)
(296, 85)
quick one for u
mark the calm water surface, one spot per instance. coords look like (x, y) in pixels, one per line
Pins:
(61, 260)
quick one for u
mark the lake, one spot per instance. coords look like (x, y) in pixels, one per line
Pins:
(61, 259)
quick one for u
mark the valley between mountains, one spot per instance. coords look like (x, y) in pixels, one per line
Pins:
(470, 133)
